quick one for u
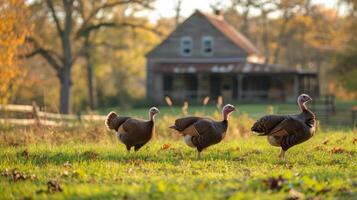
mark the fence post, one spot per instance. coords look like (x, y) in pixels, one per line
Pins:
(354, 117)
(35, 115)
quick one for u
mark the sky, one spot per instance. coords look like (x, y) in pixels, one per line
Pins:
(165, 8)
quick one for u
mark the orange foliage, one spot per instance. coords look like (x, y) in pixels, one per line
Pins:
(14, 27)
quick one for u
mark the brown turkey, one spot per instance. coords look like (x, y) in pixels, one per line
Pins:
(201, 132)
(132, 132)
(286, 131)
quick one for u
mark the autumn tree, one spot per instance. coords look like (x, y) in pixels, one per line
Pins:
(73, 21)
(94, 23)
(346, 58)
(14, 27)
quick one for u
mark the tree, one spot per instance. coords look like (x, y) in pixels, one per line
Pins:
(178, 8)
(93, 23)
(73, 20)
(345, 65)
(14, 27)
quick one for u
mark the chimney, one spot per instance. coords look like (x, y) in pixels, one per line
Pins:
(219, 12)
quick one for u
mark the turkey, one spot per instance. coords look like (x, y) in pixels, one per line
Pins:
(286, 131)
(200, 132)
(132, 132)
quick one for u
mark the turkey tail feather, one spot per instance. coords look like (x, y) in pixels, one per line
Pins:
(259, 128)
(267, 123)
(112, 121)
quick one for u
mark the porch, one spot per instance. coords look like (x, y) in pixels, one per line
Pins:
(238, 86)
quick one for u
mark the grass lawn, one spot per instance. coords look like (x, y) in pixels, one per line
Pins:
(253, 110)
(325, 166)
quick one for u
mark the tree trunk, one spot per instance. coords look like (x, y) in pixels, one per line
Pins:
(65, 73)
(281, 37)
(178, 12)
(265, 36)
(65, 91)
(91, 84)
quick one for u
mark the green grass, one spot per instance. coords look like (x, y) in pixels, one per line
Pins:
(324, 166)
(254, 110)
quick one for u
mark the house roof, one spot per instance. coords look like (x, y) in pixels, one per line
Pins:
(231, 33)
(226, 29)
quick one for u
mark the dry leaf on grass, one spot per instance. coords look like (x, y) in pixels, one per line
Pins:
(295, 195)
(326, 141)
(90, 155)
(25, 154)
(16, 175)
(166, 146)
(274, 183)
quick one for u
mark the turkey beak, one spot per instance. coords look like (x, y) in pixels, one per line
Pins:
(309, 98)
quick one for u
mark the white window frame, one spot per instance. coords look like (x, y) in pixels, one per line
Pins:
(204, 39)
(184, 45)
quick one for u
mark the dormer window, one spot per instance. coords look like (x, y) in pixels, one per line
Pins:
(186, 46)
(207, 45)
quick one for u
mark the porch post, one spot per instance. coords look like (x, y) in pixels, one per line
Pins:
(199, 86)
(149, 79)
(240, 86)
(296, 85)
(158, 89)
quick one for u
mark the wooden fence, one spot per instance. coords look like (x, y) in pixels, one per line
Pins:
(32, 115)
(324, 108)
(330, 114)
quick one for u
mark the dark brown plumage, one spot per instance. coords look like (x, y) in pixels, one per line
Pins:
(200, 132)
(286, 131)
(132, 132)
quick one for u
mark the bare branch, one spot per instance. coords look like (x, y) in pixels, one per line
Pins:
(88, 29)
(68, 7)
(54, 16)
(49, 55)
(111, 4)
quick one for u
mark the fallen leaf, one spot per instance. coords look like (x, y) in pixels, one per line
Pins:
(274, 183)
(354, 141)
(53, 186)
(337, 150)
(135, 162)
(295, 195)
(326, 141)
(67, 164)
(65, 173)
(166, 146)
(319, 148)
(90, 155)
(15, 175)
(25, 154)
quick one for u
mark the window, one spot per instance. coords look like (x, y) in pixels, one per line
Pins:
(186, 46)
(207, 45)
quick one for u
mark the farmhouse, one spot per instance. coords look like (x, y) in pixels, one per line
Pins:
(205, 56)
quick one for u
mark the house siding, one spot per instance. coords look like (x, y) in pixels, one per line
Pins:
(197, 26)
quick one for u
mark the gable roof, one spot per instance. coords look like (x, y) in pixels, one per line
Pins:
(223, 27)
(231, 33)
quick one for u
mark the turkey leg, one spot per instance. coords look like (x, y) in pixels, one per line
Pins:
(282, 155)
